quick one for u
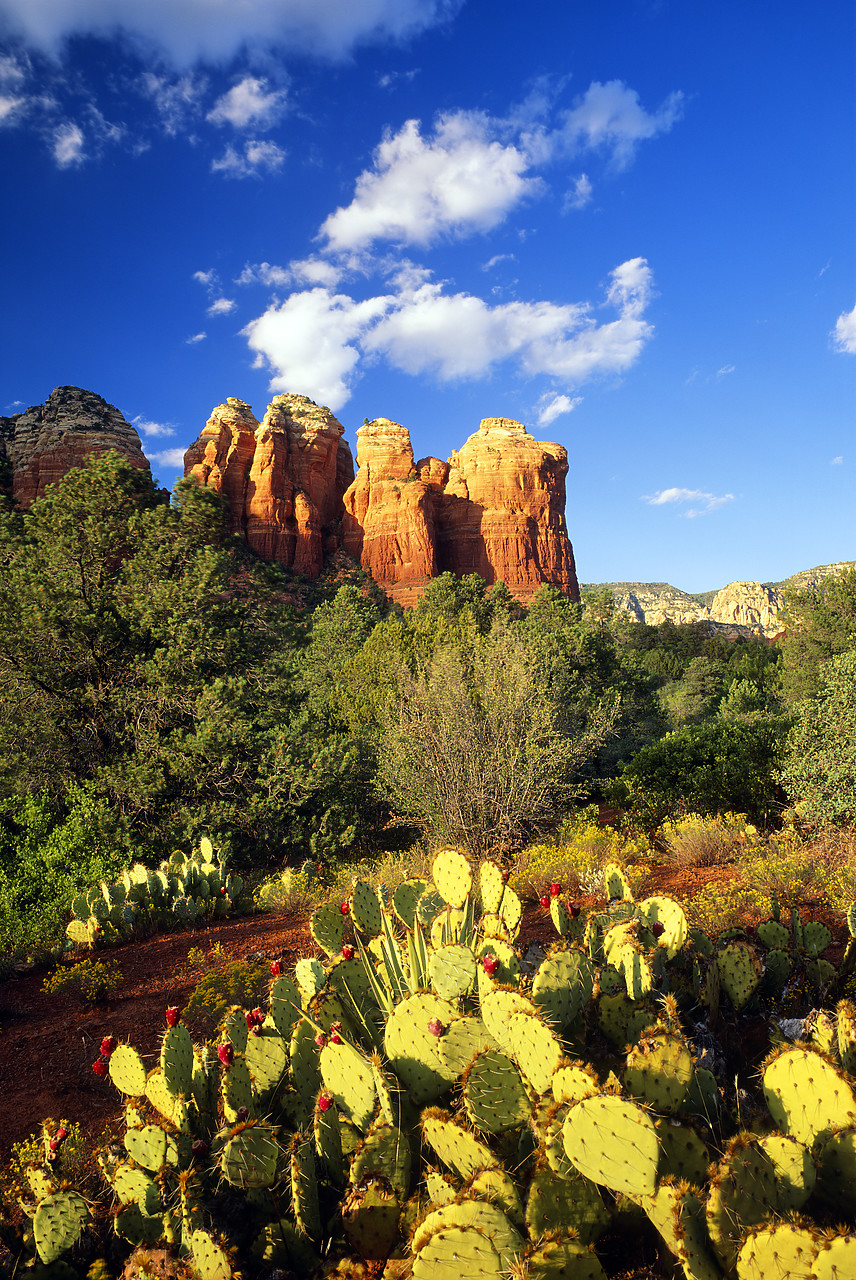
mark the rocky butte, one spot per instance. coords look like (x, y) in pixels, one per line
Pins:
(39, 446)
(495, 508)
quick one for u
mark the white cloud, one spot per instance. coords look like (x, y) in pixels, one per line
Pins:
(68, 145)
(725, 370)
(580, 194)
(610, 117)
(314, 340)
(207, 278)
(711, 501)
(10, 107)
(222, 306)
(167, 458)
(837, 462)
(552, 406)
(844, 335)
(196, 337)
(309, 341)
(149, 428)
(217, 30)
(391, 78)
(496, 259)
(311, 270)
(249, 103)
(257, 156)
(177, 99)
(458, 180)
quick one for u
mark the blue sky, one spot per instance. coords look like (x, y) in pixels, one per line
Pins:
(628, 225)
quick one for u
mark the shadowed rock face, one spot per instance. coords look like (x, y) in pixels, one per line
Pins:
(496, 508)
(39, 446)
(284, 477)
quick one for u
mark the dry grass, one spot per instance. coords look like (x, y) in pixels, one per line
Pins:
(705, 842)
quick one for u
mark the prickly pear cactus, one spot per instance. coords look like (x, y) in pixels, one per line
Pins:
(57, 1223)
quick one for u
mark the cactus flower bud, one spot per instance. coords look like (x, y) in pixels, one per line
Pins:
(100, 1067)
(436, 1027)
(347, 952)
(545, 902)
(242, 1114)
(276, 968)
(321, 1040)
(345, 908)
(172, 1016)
(325, 1102)
(658, 928)
(199, 1148)
(506, 876)
(555, 889)
(490, 964)
(108, 1044)
(51, 1157)
(226, 1054)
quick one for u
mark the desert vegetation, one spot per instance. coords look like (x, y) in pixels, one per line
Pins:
(580, 893)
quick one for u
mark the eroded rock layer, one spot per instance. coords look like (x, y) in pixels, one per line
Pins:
(496, 508)
(284, 476)
(39, 446)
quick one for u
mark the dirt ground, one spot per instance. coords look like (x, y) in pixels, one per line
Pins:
(49, 1042)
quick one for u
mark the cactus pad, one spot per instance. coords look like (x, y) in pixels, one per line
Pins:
(742, 1195)
(572, 1082)
(561, 1257)
(311, 976)
(556, 1203)
(365, 909)
(327, 925)
(536, 1050)
(563, 985)
(284, 1005)
(669, 914)
(486, 1218)
(835, 1259)
(176, 1060)
(491, 886)
(266, 1057)
(249, 1158)
(740, 971)
(494, 1095)
(808, 1097)
(462, 1041)
(453, 877)
(683, 1155)
(453, 1252)
(773, 934)
(413, 1051)
(679, 1217)
(659, 1071)
(453, 971)
(498, 1187)
(348, 1077)
(152, 1147)
(209, 1258)
(777, 1251)
(57, 1223)
(614, 1143)
(405, 900)
(793, 1167)
(370, 1216)
(127, 1071)
(464, 1154)
(385, 1152)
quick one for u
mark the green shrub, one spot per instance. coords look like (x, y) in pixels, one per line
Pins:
(238, 982)
(694, 841)
(820, 772)
(95, 979)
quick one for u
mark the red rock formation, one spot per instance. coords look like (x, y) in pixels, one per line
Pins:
(497, 508)
(284, 477)
(40, 445)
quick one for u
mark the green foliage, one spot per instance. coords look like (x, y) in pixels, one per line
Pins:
(820, 623)
(820, 771)
(237, 982)
(46, 859)
(706, 769)
(96, 980)
(482, 749)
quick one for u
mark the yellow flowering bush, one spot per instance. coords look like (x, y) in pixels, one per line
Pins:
(695, 841)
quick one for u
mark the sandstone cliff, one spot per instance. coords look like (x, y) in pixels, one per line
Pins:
(496, 508)
(39, 446)
(284, 477)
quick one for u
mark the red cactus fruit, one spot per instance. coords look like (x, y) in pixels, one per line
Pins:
(53, 1144)
(545, 902)
(658, 928)
(436, 1027)
(555, 889)
(61, 1133)
(345, 908)
(51, 1157)
(574, 909)
(335, 1038)
(108, 1044)
(276, 968)
(226, 1054)
(490, 964)
(325, 1102)
(199, 1148)
(505, 876)
(347, 952)
(222, 893)
(321, 1040)
(242, 1114)
(172, 1016)
(100, 1066)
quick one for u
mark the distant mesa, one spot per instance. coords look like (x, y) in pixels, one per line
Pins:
(38, 446)
(496, 507)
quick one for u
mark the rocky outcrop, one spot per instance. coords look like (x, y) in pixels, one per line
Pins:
(656, 602)
(284, 477)
(496, 508)
(39, 446)
(748, 604)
